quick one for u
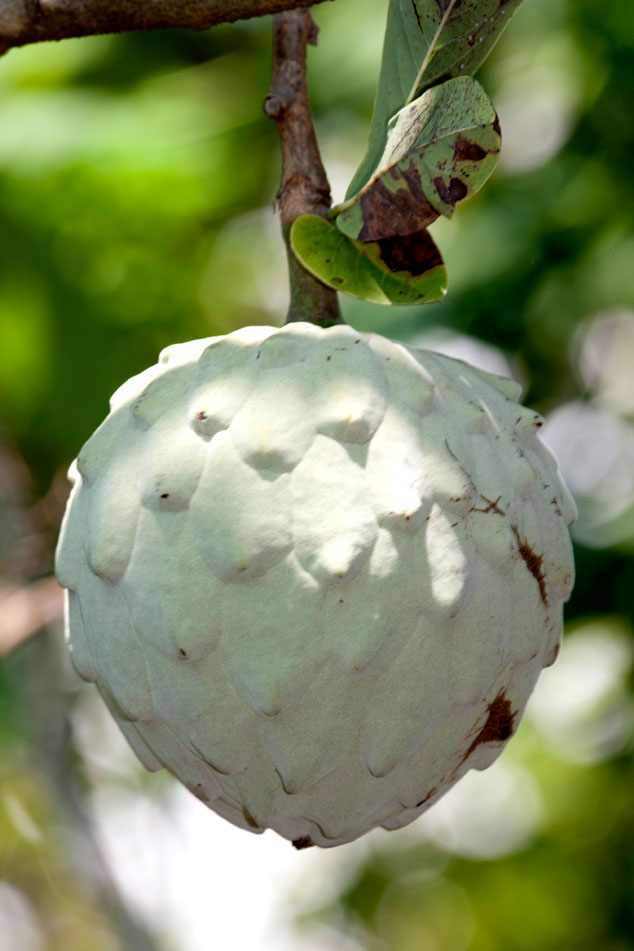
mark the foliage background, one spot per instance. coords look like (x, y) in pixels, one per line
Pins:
(137, 175)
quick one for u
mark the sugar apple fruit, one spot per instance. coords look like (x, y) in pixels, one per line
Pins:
(315, 573)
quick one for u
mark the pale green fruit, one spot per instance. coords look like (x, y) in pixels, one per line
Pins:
(315, 573)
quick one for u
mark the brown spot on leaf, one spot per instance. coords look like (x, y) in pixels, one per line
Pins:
(534, 563)
(165, 495)
(499, 724)
(467, 151)
(304, 842)
(455, 191)
(399, 211)
(415, 253)
(182, 652)
(496, 125)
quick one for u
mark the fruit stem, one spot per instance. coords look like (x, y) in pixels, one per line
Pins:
(305, 188)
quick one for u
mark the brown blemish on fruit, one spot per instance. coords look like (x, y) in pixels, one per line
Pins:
(304, 842)
(249, 818)
(491, 507)
(533, 563)
(499, 725)
(426, 798)
(289, 792)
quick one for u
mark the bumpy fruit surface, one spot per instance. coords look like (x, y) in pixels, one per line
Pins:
(315, 573)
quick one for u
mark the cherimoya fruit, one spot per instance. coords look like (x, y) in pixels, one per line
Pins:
(315, 573)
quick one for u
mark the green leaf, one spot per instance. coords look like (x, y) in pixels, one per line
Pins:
(398, 270)
(441, 148)
(427, 42)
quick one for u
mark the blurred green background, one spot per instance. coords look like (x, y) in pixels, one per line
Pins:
(137, 177)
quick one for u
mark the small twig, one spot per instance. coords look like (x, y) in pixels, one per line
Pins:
(304, 189)
(31, 21)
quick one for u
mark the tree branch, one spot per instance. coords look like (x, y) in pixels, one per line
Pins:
(24, 611)
(31, 21)
(305, 188)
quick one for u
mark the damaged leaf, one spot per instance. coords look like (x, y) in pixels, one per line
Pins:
(395, 270)
(428, 42)
(441, 148)
(458, 35)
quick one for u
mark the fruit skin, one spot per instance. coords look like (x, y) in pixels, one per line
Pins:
(315, 573)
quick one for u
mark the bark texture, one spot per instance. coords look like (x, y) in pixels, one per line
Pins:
(31, 21)
(305, 189)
